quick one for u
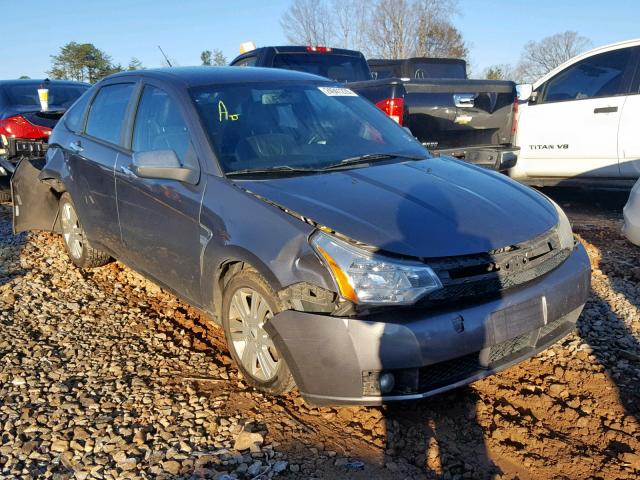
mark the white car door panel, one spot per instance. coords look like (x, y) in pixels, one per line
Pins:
(574, 138)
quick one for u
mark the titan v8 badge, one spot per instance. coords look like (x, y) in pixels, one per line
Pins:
(559, 146)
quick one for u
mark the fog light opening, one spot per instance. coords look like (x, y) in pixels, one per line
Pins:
(387, 381)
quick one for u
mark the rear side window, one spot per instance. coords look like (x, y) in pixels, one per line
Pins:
(341, 68)
(160, 125)
(246, 62)
(74, 116)
(438, 70)
(597, 76)
(107, 112)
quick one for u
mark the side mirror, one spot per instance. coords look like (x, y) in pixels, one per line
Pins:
(524, 91)
(162, 164)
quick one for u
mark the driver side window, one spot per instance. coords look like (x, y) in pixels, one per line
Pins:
(594, 77)
(159, 125)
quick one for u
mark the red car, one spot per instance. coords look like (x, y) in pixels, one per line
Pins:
(25, 125)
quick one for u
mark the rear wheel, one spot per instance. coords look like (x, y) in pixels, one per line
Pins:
(248, 305)
(80, 251)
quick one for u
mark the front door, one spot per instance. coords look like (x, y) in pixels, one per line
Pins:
(159, 219)
(572, 129)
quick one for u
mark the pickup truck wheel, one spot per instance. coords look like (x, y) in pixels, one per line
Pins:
(248, 304)
(80, 251)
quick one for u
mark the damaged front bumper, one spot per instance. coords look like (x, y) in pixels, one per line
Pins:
(341, 360)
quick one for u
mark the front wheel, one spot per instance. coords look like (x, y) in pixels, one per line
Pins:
(248, 304)
(80, 251)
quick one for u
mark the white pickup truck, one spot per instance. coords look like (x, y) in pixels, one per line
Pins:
(580, 123)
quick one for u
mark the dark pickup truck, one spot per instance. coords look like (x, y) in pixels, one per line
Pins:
(451, 115)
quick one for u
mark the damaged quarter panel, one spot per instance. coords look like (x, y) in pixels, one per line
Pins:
(270, 240)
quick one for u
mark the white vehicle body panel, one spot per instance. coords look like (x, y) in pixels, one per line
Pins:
(567, 139)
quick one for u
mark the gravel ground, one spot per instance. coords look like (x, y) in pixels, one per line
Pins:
(103, 375)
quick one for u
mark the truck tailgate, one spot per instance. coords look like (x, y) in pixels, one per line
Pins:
(450, 113)
(457, 113)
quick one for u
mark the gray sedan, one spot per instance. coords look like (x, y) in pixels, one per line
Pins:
(338, 255)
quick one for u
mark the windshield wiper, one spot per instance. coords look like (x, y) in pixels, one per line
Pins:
(279, 169)
(371, 157)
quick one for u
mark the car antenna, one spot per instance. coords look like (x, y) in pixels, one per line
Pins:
(165, 56)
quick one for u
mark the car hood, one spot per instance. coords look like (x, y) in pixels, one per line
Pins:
(431, 208)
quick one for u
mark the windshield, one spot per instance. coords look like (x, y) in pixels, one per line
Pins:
(341, 68)
(61, 97)
(301, 125)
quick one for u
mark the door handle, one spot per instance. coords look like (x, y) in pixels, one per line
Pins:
(605, 110)
(127, 172)
(464, 100)
(76, 147)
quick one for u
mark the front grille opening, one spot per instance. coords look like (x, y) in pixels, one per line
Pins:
(469, 277)
(473, 271)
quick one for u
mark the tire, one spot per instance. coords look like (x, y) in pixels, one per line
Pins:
(80, 251)
(265, 369)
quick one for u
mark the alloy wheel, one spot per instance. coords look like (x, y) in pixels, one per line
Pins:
(248, 313)
(72, 231)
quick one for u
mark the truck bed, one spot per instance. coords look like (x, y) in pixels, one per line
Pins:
(447, 114)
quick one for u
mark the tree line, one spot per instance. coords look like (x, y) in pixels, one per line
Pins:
(395, 29)
(84, 62)
(378, 28)
(539, 58)
(392, 29)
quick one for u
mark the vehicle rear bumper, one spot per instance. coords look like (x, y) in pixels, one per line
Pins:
(339, 360)
(494, 158)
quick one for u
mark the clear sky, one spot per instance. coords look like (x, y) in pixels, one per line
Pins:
(495, 29)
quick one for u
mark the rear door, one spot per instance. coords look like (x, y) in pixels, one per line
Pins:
(91, 158)
(159, 218)
(628, 135)
(572, 129)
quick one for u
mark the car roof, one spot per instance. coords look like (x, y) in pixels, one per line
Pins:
(205, 75)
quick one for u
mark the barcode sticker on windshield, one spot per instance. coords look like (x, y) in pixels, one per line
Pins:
(337, 92)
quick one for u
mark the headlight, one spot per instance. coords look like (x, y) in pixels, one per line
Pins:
(564, 228)
(368, 278)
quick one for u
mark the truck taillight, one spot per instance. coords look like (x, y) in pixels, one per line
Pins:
(394, 107)
(19, 127)
(318, 48)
